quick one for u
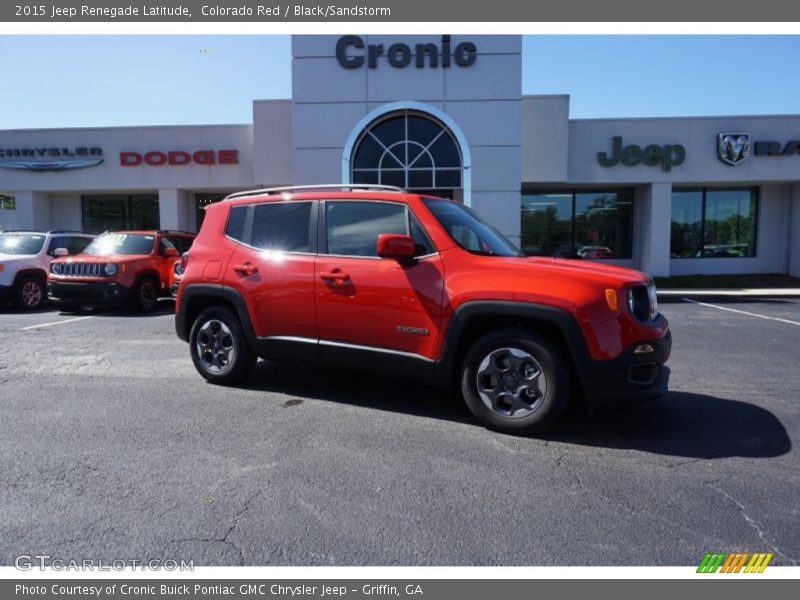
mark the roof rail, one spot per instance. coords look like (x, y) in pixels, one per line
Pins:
(175, 231)
(319, 187)
(56, 231)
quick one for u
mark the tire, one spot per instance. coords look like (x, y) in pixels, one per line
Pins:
(30, 293)
(515, 381)
(145, 295)
(219, 348)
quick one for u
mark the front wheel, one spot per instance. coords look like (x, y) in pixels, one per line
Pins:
(219, 349)
(30, 293)
(145, 295)
(515, 381)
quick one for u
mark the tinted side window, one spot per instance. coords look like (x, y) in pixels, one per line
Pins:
(163, 244)
(77, 244)
(235, 226)
(353, 227)
(182, 243)
(282, 226)
(58, 242)
(423, 242)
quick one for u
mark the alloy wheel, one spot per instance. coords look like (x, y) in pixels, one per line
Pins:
(511, 382)
(215, 346)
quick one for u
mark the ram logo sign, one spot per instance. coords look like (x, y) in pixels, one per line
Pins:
(733, 148)
(737, 562)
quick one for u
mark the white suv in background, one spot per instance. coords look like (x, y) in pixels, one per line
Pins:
(25, 261)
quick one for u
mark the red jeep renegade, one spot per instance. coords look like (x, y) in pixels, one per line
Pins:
(119, 266)
(417, 286)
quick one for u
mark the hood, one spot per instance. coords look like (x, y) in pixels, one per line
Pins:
(588, 268)
(94, 259)
(9, 257)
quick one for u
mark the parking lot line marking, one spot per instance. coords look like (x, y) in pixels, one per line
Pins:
(57, 322)
(742, 312)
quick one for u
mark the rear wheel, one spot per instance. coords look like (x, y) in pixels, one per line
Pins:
(515, 381)
(30, 293)
(219, 349)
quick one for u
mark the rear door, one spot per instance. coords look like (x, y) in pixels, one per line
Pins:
(273, 268)
(374, 302)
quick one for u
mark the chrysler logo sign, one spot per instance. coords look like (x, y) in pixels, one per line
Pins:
(733, 148)
(50, 158)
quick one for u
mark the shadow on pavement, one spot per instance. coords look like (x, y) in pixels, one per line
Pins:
(681, 424)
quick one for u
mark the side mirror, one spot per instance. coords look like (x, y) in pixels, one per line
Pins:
(394, 245)
(59, 252)
(171, 252)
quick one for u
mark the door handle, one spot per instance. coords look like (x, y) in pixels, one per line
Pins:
(247, 269)
(337, 275)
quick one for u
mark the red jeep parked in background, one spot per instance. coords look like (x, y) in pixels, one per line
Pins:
(119, 266)
(417, 286)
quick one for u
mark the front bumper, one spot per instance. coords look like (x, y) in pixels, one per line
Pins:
(629, 377)
(5, 292)
(173, 290)
(87, 292)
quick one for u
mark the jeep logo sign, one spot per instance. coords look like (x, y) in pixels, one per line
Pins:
(667, 156)
(351, 53)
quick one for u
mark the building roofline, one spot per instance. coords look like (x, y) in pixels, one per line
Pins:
(524, 96)
(688, 118)
(121, 127)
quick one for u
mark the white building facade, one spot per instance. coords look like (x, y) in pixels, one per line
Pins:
(443, 115)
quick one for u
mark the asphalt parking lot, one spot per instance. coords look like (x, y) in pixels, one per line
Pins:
(114, 448)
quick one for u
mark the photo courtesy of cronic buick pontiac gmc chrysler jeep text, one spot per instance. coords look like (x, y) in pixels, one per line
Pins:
(375, 277)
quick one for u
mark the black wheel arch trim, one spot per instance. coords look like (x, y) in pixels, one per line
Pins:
(38, 273)
(213, 291)
(468, 312)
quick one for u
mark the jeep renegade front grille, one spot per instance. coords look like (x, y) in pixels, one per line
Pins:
(81, 270)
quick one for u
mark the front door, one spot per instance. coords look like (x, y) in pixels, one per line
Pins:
(367, 301)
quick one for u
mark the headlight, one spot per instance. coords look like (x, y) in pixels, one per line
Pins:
(55, 268)
(653, 297)
(643, 302)
(178, 268)
(110, 269)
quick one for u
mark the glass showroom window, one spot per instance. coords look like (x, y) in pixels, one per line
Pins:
(578, 224)
(407, 149)
(8, 216)
(714, 223)
(107, 213)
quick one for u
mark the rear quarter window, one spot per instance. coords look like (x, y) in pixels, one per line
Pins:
(235, 226)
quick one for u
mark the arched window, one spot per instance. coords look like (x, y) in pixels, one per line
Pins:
(408, 149)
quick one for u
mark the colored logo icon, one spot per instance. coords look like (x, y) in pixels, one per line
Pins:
(736, 562)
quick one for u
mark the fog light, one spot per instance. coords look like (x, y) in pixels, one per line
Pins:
(643, 349)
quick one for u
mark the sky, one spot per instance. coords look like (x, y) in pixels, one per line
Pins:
(87, 81)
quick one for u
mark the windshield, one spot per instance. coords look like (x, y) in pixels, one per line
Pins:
(115, 244)
(21, 243)
(469, 231)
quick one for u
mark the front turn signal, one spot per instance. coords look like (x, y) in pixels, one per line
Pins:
(611, 299)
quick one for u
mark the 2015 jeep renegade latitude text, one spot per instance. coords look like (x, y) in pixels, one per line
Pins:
(417, 286)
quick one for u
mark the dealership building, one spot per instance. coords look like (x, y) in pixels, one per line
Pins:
(443, 115)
